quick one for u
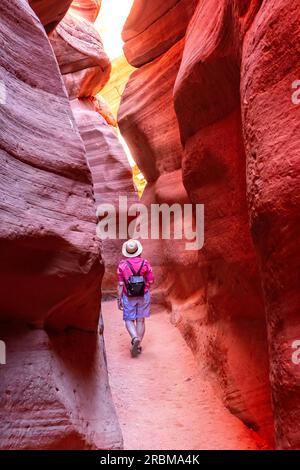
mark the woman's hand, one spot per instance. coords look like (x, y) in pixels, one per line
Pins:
(120, 303)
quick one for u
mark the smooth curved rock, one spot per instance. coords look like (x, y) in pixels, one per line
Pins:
(79, 50)
(143, 14)
(146, 116)
(107, 160)
(54, 392)
(207, 103)
(87, 9)
(151, 30)
(209, 64)
(50, 12)
(215, 296)
(112, 176)
(271, 128)
(111, 173)
(48, 223)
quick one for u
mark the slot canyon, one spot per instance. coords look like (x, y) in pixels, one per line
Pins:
(197, 109)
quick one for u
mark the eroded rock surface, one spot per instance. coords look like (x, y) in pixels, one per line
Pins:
(54, 387)
(232, 292)
(147, 106)
(207, 104)
(271, 122)
(88, 9)
(79, 51)
(85, 69)
(50, 12)
(54, 393)
(152, 28)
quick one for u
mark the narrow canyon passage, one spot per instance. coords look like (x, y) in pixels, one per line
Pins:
(161, 400)
(129, 119)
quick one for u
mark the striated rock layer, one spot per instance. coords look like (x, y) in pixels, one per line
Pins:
(152, 28)
(50, 12)
(48, 222)
(112, 177)
(79, 51)
(147, 106)
(51, 266)
(271, 122)
(228, 161)
(88, 9)
(207, 104)
(54, 393)
(78, 47)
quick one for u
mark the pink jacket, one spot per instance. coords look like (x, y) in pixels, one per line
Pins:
(124, 271)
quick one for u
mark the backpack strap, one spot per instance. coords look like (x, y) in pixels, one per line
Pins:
(141, 267)
(130, 265)
(133, 271)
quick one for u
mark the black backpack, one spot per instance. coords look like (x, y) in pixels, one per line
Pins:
(136, 283)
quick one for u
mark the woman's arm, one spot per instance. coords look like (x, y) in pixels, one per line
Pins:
(149, 275)
(119, 292)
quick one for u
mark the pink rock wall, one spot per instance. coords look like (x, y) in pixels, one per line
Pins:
(88, 9)
(54, 393)
(82, 61)
(147, 106)
(207, 104)
(222, 157)
(50, 12)
(112, 176)
(271, 121)
(48, 212)
(166, 21)
(51, 266)
(78, 47)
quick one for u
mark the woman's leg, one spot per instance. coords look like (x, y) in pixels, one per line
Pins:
(140, 328)
(131, 328)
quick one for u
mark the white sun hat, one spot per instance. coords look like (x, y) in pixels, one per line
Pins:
(132, 248)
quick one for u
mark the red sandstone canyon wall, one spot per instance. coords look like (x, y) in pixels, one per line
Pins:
(235, 301)
(270, 65)
(153, 27)
(207, 103)
(54, 391)
(50, 12)
(85, 69)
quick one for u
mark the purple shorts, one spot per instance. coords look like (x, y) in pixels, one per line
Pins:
(136, 307)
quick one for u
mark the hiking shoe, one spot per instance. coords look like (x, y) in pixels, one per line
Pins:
(135, 347)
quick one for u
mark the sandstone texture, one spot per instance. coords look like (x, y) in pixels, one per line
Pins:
(112, 176)
(209, 118)
(88, 9)
(50, 12)
(79, 51)
(236, 299)
(54, 387)
(78, 47)
(207, 104)
(54, 393)
(147, 106)
(48, 214)
(113, 90)
(271, 121)
(152, 28)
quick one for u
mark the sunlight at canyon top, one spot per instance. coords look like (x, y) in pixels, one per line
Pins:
(110, 23)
